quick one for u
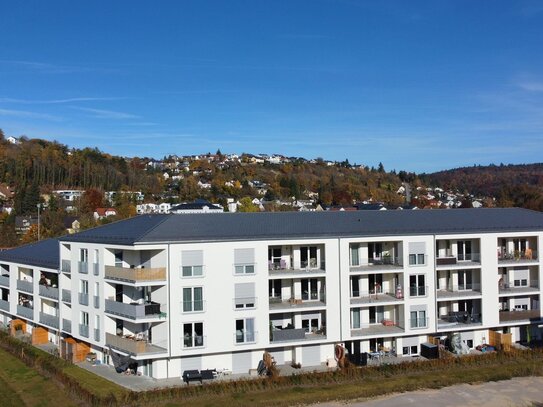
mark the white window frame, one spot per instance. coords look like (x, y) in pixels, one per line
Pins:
(185, 273)
(420, 315)
(244, 269)
(192, 300)
(193, 343)
(417, 259)
(248, 337)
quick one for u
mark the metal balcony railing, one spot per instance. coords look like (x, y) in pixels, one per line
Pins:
(49, 320)
(84, 330)
(4, 305)
(67, 325)
(4, 281)
(418, 323)
(135, 275)
(84, 298)
(66, 266)
(133, 311)
(25, 312)
(49, 292)
(26, 286)
(66, 295)
(96, 269)
(83, 267)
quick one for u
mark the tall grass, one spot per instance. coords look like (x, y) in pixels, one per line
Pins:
(369, 381)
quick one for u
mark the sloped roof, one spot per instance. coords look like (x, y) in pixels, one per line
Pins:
(45, 253)
(284, 225)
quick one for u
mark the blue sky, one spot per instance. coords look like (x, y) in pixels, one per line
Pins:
(418, 85)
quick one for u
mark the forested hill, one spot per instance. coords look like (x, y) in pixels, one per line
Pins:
(511, 185)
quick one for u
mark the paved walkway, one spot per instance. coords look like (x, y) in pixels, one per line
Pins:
(522, 391)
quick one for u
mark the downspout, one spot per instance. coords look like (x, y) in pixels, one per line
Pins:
(169, 317)
(340, 297)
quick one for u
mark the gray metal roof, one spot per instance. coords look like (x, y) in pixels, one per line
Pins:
(284, 225)
(41, 254)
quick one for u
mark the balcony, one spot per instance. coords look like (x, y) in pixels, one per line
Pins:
(133, 311)
(67, 325)
(66, 266)
(96, 269)
(136, 275)
(4, 281)
(49, 292)
(306, 268)
(294, 335)
(84, 298)
(385, 327)
(284, 304)
(4, 305)
(511, 288)
(373, 297)
(26, 286)
(458, 260)
(458, 319)
(67, 296)
(515, 257)
(84, 330)
(83, 267)
(25, 312)
(132, 345)
(383, 263)
(529, 315)
(49, 320)
(454, 291)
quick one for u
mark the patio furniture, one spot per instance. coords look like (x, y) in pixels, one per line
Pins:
(208, 374)
(191, 376)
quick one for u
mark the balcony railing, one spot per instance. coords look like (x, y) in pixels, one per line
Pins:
(135, 275)
(84, 298)
(97, 335)
(26, 286)
(451, 260)
(506, 316)
(194, 306)
(418, 323)
(49, 320)
(299, 334)
(49, 292)
(376, 295)
(374, 263)
(66, 266)
(311, 265)
(67, 325)
(195, 341)
(517, 287)
(4, 281)
(96, 301)
(418, 291)
(83, 267)
(96, 269)
(25, 312)
(132, 345)
(84, 330)
(459, 317)
(4, 305)
(518, 256)
(133, 311)
(243, 337)
(66, 295)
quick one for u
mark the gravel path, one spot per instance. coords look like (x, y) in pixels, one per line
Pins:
(522, 391)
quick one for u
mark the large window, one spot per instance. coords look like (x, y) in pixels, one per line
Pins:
(83, 255)
(193, 335)
(418, 319)
(245, 330)
(417, 259)
(417, 287)
(417, 253)
(355, 259)
(193, 299)
(245, 268)
(193, 271)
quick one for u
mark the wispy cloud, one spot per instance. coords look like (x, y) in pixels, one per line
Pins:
(531, 86)
(58, 101)
(28, 115)
(107, 114)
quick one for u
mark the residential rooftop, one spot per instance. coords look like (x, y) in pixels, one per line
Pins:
(44, 253)
(299, 225)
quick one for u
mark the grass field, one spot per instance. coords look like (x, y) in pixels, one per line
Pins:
(23, 386)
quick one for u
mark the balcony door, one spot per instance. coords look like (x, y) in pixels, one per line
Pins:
(464, 280)
(310, 289)
(375, 250)
(377, 314)
(464, 250)
(308, 256)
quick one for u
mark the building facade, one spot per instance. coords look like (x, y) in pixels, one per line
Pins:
(216, 290)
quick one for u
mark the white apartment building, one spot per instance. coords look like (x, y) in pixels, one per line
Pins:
(206, 291)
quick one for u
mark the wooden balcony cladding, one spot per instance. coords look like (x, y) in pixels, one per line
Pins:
(135, 275)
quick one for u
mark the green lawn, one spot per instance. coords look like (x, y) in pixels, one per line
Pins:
(23, 386)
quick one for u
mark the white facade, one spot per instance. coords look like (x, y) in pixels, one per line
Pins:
(220, 304)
